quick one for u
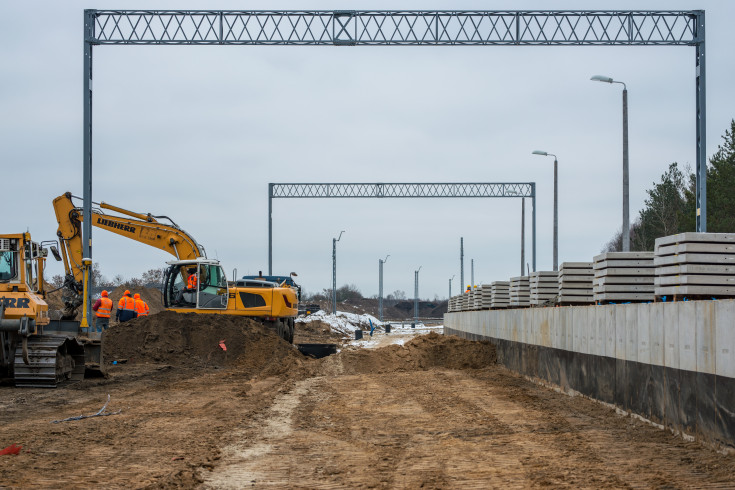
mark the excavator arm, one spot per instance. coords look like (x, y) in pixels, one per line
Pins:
(143, 228)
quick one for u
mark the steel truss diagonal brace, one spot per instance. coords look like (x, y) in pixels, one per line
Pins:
(401, 190)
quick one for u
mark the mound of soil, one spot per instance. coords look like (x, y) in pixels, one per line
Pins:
(421, 353)
(193, 340)
(315, 332)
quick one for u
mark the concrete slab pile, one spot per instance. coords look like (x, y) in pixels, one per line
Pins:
(486, 296)
(476, 298)
(623, 277)
(575, 283)
(465, 302)
(519, 291)
(544, 287)
(499, 295)
(695, 265)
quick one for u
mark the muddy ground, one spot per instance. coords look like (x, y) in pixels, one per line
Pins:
(435, 413)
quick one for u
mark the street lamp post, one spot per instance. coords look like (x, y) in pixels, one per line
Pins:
(334, 272)
(626, 182)
(450, 286)
(380, 286)
(556, 206)
(416, 295)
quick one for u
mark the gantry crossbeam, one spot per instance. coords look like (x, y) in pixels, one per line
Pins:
(381, 27)
(466, 189)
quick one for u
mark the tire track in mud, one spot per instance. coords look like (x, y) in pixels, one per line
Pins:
(444, 428)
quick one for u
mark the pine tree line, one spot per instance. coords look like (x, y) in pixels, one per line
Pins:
(671, 204)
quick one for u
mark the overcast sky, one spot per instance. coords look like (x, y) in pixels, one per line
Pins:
(197, 133)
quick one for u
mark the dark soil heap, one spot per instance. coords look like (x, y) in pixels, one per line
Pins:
(421, 353)
(192, 340)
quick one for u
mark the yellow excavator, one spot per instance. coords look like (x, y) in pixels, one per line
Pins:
(35, 350)
(207, 292)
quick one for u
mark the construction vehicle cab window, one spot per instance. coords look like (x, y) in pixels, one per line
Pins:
(8, 261)
(195, 285)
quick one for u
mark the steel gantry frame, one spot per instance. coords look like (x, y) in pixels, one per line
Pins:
(381, 190)
(394, 28)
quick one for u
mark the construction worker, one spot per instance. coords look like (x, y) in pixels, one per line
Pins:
(192, 280)
(102, 309)
(125, 308)
(191, 285)
(469, 288)
(141, 307)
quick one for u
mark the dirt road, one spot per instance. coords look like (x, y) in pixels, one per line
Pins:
(434, 413)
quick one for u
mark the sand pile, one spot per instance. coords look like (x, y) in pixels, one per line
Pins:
(421, 353)
(193, 340)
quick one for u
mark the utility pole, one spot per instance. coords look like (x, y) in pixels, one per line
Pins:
(334, 272)
(461, 263)
(450, 285)
(523, 233)
(380, 286)
(416, 295)
(626, 175)
(472, 273)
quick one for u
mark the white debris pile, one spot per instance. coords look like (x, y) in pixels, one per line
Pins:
(343, 322)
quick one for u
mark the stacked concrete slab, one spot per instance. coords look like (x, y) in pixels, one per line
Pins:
(450, 304)
(519, 291)
(695, 264)
(575, 283)
(477, 298)
(465, 301)
(486, 296)
(623, 277)
(499, 294)
(544, 286)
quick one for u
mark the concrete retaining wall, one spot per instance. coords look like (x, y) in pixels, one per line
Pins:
(673, 363)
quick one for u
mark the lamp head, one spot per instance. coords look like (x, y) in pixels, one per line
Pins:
(539, 152)
(600, 78)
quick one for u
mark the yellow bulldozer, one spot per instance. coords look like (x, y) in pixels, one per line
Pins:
(35, 350)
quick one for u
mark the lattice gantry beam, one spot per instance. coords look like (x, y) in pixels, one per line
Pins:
(350, 27)
(391, 190)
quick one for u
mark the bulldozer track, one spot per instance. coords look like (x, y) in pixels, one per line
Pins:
(52, 359)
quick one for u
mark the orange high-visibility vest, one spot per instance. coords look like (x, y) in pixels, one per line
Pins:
(105, 308)
(126, 303)
(191, 283)
(141, 307)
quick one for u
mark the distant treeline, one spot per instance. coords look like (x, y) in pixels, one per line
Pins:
(671, 206)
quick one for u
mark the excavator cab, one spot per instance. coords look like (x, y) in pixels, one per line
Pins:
(195, 284)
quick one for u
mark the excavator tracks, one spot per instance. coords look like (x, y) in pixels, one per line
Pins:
(52, 359)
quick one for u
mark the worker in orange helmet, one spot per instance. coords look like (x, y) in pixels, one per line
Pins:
(141, 307)
(125, 308)
(102, 309)
(469, 288)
